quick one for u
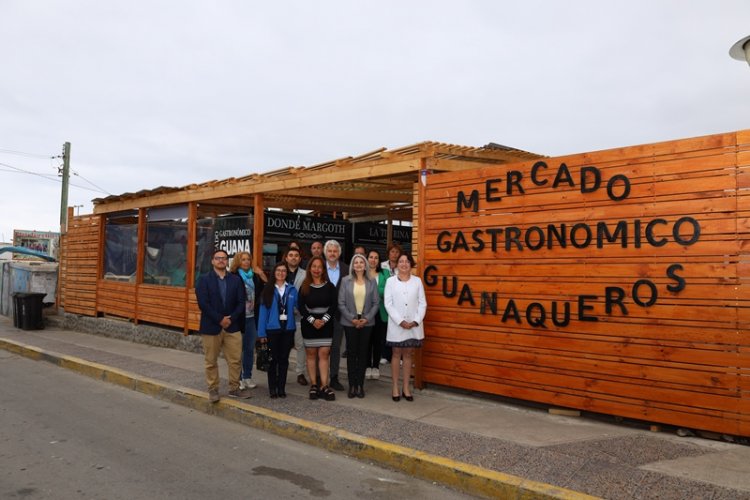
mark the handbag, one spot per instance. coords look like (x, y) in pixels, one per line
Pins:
(262, 357)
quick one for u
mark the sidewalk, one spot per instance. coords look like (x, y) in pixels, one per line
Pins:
(474, 444)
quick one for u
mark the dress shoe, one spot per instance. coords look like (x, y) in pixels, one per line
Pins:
(335, 384)
(301, 380)
(396, 398)
(352, 392)
(408, 398)
(360, 392)
(282, 395)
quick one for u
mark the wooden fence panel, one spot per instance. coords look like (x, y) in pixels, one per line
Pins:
(80, 262)
(116, 298)
(164, 305)
(614, 281)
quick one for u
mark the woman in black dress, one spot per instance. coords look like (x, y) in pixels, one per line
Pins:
(318, 302)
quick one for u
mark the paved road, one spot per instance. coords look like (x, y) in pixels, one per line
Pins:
(66, 436)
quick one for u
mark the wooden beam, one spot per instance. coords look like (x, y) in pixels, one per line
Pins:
(456, 165)
(258, 222)
(215, 210)
(191, 256)
(141, 256)
(244, 201)
(281, 183)
(340, 194)
(421, 190)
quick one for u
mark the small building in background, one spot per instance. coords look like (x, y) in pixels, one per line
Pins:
(45, 242)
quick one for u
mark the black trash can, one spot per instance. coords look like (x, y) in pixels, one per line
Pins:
(16, 314)
(27, 311)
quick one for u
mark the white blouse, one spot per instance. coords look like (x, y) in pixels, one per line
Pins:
(404, 301)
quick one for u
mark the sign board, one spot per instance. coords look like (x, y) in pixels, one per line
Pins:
(613, 281)
(39, 241)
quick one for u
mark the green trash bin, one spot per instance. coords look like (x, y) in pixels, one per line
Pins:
(27, 311)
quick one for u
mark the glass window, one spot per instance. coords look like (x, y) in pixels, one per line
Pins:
(121, 246)
(166, 246)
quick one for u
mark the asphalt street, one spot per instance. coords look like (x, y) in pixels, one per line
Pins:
(63, 435)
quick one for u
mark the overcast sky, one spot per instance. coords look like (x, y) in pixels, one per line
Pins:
(167, 93)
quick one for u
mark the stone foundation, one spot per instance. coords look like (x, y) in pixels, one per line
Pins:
(125, 330)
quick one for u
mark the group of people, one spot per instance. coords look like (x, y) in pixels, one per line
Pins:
(312, 306)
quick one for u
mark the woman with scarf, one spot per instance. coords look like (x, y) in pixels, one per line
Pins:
(254, 280)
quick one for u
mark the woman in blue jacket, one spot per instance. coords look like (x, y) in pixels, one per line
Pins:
(276, 326)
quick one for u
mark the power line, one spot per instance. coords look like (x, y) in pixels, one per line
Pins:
(30, 155)
(50, 177)
(50, 157)
(97, 187)
(24, 171)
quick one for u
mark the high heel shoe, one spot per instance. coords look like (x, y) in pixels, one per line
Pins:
(396, 398)
(408, 398)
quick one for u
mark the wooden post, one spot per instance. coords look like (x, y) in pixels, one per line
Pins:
(140, 263)
(421, 189)
(190, 258)
(100, 259)
(258, 219)
(389, 233)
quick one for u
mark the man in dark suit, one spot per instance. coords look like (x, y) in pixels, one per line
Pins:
(336, 270)
(221, 298)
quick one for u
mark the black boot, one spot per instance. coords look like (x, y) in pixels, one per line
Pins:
(335, 384)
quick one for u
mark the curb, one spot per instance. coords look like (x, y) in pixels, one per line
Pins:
(457, 475)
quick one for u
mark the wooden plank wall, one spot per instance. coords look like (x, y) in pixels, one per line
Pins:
(683, 360)
(117, 298)
(194, 312)
(80, 263)
(164, 305)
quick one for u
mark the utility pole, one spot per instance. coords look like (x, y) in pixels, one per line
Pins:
(64, 198)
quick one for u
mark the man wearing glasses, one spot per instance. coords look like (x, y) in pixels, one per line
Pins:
(221, 298)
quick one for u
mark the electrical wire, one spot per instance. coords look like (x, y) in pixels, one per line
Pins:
(50, 157)
(30, 155)
(97, 187)
(50, 177)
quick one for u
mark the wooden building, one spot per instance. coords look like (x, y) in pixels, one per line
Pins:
(612, 281)
(139, 254)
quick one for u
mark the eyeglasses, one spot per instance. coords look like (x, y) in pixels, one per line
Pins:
(220, 258)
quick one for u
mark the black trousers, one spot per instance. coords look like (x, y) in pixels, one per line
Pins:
(338, 334)
(357, 349)
(280, 343)
(377, 341)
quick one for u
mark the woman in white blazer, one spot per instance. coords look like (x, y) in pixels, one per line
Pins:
(406, 305)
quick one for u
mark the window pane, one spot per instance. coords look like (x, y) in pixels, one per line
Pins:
(121, 247)
(166, 252)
